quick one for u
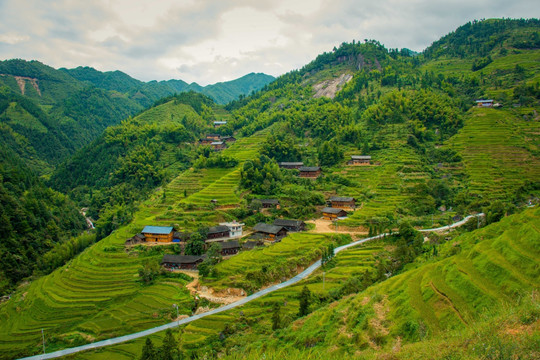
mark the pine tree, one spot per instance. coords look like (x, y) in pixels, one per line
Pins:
(148, 351)
(305, 299)
(169, 348)
(276, 316)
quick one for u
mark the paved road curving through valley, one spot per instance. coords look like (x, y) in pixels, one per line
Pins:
(304, 274)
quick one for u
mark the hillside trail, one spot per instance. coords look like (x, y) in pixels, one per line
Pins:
(225, 297)
(323, 226)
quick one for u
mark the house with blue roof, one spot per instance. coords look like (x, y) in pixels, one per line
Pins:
(158, 233)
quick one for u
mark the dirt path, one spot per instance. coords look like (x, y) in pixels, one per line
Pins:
(327, 226)
(225, 297)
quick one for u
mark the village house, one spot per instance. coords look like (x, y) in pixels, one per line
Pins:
(228, 139)
(359, 160)
(311, 172)
(290, 225)
(268, 203)
(270, 232)
(218, 232)
(229, 247)
(219, 123)
(484, 103)
(184, 262)
(235, 228)
(218, 145)
(215, 137)
(290, 165)
(252, 244)
(158, 233)
(330, 213)
(205, 141)
(343, 202)
(137, 239)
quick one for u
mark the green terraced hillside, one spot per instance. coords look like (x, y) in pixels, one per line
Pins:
(499, 150)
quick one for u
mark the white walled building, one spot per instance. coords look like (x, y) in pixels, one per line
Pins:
(235, 228)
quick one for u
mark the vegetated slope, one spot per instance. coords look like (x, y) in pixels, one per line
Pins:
(403, 111)
(480, 274)
(129, 160)
(99, 294)
(40, 103)
(147, 92)
(477, 292)
(33, 218)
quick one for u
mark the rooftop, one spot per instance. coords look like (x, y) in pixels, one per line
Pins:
(287, 222)
(285, 163)
(157, 229)
(360, 157)
(310, 168)
(181, 259)
(218, 229)
(229, 245)
(331, 210)
(341, 199)
(267, 228)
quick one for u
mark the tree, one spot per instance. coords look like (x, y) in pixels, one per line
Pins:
(276, 316)
(169, 348)
(148, 351)
(305, 299)
(149, 272)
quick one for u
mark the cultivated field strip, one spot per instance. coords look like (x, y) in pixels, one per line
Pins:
(98, 293)
(496, 160)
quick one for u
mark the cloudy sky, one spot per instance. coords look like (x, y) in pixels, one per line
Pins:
(208, 41)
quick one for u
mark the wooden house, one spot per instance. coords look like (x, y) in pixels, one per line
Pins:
(290, 225)
(137, 239)
(229, 247)
(311, 172)
(252, 244)
(359, 160)
(330, 213)
(217, 232)
(291, 165)
(228, 139)
(270, 232)
(186, 262)
(214, 137)
(235, 228)
(218, 145)
(484, 103)
(343, 202)
(158, 233)
(268, 203)
(219, 124)
(205, 141)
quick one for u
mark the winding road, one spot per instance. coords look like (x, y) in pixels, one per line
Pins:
(304, 274)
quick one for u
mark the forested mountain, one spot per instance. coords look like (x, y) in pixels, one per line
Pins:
(147, 92)
(435, 156)
(69, 108)
(33, 219)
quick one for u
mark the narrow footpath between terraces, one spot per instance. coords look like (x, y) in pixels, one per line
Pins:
(304, 274)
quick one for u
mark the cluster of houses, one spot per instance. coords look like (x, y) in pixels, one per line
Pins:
(339, 207)
(314, 172)
(216, 141)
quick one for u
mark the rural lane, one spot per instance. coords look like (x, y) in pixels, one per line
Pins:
(304, 274)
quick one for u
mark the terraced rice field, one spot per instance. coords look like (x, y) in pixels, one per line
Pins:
(496, 158)
(382, 186)
(97, 295)
(195, 335)
(280, 260)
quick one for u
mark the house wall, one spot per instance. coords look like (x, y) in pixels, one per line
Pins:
(158, 237)
(358, 162)
(310, 174)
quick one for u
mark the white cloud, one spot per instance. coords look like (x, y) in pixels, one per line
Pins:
(215, 40)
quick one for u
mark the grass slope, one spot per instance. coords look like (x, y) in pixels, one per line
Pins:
(97, 295)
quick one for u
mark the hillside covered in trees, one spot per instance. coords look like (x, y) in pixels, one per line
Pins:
(435, 154)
